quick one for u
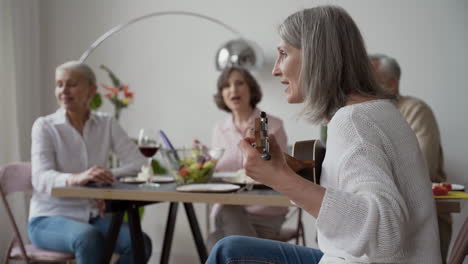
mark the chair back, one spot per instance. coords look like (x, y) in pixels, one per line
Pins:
(15, 177)
(460, 247)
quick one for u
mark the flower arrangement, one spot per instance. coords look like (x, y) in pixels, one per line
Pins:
(119, 95)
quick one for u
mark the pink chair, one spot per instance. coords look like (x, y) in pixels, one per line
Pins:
(17, 178)
(460, 247)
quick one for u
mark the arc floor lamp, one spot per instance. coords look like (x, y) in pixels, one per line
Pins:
(238, 52)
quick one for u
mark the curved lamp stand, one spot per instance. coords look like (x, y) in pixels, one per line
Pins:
(237, 52)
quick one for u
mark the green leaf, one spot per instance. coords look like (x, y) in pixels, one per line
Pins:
(114, 79)
(95, 102)
(157, 168)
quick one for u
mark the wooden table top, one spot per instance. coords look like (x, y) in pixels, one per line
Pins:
(167, 192)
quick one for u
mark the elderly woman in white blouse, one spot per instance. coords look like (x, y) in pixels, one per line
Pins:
(71, 148)
(374, 204)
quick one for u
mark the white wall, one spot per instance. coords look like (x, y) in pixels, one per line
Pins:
(169, 63)
(23, 65)
(27, 68)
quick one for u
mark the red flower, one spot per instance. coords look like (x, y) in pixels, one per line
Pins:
(110, 89)
(125, 89)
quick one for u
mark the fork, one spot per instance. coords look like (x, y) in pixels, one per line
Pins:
(247, 187)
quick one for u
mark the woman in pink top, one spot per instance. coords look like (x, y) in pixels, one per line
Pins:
(238, 93)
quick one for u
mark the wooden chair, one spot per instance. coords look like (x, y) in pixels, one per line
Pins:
(460, 246)
(287, 234)
(17, 178)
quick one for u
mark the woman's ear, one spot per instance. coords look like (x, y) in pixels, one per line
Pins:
(393, 86)
(92, 91)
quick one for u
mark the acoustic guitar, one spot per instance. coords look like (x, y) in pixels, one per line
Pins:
(306, 151)
(307, 156)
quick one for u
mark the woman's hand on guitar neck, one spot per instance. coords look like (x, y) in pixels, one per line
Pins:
(272, 172)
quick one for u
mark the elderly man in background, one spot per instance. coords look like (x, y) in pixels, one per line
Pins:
(422, 120)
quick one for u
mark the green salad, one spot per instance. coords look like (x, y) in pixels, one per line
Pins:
(198, 168)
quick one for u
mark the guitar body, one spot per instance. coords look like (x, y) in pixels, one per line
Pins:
(307, 156)
(306, 151)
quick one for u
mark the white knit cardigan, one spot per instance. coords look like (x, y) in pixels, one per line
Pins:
(378, 206)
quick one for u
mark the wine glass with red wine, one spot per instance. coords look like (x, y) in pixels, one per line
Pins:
(148, 146)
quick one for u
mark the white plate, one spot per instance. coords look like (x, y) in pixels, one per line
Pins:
(457, 187)
(222, 174)
(237, 180)
(208, 187)
(162, 179)
(132, 180)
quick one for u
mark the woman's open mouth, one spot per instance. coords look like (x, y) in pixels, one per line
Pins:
(236, 99)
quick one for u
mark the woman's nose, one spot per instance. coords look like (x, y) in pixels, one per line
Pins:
(65, 89)
(232, 88)
(276, 70)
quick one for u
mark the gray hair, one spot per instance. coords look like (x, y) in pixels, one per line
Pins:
(388, 65)
(81, 68)
(334, 60)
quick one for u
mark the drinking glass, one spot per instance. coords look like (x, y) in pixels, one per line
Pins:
(148, 146)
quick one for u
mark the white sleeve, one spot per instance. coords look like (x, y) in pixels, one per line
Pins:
(368, 214)
(126, 150)
(44, 173)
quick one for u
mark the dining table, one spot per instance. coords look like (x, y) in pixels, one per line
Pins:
(128, 198)
(124, 197)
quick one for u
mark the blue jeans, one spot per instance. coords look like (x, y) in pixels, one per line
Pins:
(85, 240)
(249, 250)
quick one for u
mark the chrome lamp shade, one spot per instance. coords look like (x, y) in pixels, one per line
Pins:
(239, 52)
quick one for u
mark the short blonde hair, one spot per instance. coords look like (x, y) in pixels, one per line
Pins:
(334, 60)
(80, 67)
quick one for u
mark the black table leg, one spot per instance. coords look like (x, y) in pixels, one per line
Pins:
(169, 233)
(201, 248)
(138, 246)
(112, 234)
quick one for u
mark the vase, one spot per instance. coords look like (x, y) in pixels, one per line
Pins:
(117, 113)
